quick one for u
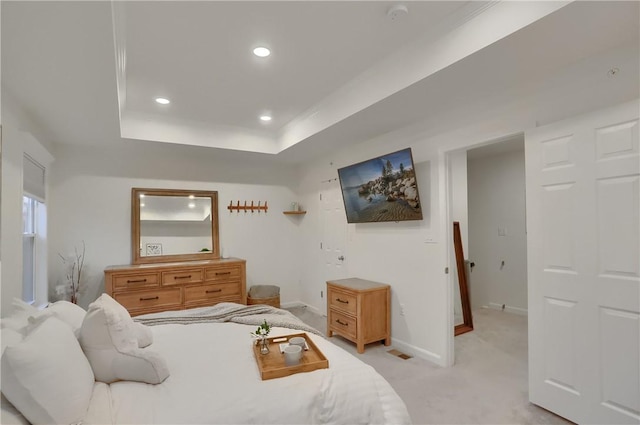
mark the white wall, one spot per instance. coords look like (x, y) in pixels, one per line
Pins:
(175, 237)
(497, 201)
(12, 155)
(16, 141)
(389, 252)
(415, 267)
(458, 206)
(91, 202)
(422, 250)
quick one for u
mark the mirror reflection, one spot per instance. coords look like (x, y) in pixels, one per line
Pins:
(174, 225)
(458, 319)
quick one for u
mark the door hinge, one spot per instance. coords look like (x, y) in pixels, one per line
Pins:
(446, 270)
(321, 196)
(320, 245)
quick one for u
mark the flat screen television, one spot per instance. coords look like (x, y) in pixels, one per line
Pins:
(381, 189)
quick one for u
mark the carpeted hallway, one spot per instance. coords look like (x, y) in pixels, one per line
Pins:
(487, 385)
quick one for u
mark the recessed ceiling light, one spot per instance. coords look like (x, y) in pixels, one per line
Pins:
(192, 197)
(162, 100)
(192, 205)
(142, 204)
(265, 118)
(261, 52)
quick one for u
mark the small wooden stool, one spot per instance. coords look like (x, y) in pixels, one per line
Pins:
(264, 294)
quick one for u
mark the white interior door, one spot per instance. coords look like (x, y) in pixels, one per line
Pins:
(583, 218)
(334, 233)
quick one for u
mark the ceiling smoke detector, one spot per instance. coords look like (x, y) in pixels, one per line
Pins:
(397, 12)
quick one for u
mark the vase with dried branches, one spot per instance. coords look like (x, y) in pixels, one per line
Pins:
(74, 265)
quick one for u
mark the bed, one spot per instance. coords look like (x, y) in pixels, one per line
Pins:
(214, 379)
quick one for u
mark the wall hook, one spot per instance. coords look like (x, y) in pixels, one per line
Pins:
(246, 207)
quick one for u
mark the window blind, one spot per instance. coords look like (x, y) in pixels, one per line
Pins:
(33, 180)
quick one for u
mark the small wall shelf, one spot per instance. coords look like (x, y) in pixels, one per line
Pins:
(294, 212)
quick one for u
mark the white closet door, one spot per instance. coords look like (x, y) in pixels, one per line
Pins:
(334, 233)
(583, 222)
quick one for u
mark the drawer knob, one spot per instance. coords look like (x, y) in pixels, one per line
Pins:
(212, 291)
(182, 277)
(150, 298)
(137, 281)
(222, 273)
(340, 322)
(341, 301)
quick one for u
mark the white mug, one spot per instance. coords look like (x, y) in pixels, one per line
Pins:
(292, 355)
(297, 340)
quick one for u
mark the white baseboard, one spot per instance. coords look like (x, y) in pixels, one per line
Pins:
(509, 309)
(400, 345)
(292, 304)
(315, 310)
(302, 304)
(417, 352)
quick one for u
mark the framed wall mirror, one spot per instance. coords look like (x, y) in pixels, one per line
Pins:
(173, 225)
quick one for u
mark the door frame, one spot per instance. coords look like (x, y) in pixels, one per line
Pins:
(445, 170)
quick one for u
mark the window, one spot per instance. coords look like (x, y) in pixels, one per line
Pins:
(29, 230)
(34, 231)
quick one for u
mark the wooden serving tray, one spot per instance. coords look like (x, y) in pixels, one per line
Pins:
(272, 365)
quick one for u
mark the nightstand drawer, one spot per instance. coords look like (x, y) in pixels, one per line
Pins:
(133, 281)
(209, 292)
(223, 274)
(182, 277)
(150, 299)
(343, 324)
(343, 301)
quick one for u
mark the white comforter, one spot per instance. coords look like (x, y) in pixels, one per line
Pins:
(215, 380)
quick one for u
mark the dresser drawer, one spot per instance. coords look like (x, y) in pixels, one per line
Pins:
(182, 277)
(343, 324)
(343, 301)
(151, 288)
(150, 299)
(223, 274)
(134, 281)
(211, 292)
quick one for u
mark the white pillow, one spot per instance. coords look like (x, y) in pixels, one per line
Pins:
(110, 343)
(47, 377)
(9, 415)
(18, 321)
(143, 335)
(8, 338)
(70, 313)
(22, 306)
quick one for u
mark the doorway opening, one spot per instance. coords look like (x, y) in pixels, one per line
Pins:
(486, 196)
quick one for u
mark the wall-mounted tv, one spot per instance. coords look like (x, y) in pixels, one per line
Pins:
(381, 189)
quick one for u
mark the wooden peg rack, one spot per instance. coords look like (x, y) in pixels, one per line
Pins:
(246, 207)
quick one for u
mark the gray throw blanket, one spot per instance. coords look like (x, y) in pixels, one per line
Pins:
(229, 312)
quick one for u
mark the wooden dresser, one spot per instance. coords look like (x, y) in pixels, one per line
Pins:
(149, 288)
(359, 310)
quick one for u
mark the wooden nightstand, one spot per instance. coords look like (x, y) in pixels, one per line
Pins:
(359, 310)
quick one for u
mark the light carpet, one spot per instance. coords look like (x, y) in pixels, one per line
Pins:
(487, 385)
